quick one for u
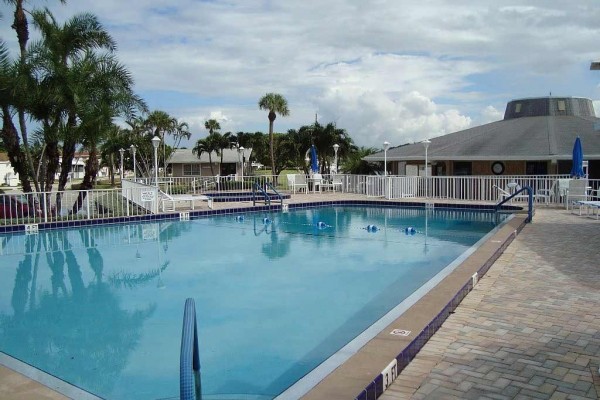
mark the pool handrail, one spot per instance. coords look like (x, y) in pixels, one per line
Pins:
(257, 187)
(529, 201)
(270, 186)
(189, 358)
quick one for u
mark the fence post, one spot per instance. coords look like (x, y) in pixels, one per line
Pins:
(87, 200)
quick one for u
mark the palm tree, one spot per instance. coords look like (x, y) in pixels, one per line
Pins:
(209, 144)
(212, 125)
(275, 104)
(56, 62)
(21, 27)
(225, 142)
(161, 124)
(9, 133)
(355, 164)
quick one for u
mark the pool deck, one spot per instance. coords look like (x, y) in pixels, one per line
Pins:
(530, 328)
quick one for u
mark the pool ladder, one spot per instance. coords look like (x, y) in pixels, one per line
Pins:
(189, 358)
(258, 188)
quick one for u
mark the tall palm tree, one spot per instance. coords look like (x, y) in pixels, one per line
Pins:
(56, 62)
(21, 27)
(9, 133)
(275, 104)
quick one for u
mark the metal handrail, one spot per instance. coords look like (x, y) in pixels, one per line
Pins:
(529, 201)
(258, 187)
(189, 358)
(270, 185)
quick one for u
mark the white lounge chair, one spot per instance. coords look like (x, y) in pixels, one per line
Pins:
(168, 201)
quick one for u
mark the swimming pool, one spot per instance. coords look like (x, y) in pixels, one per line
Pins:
(276, 294)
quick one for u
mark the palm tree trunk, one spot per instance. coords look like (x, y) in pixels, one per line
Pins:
(10, 138)
(271, 147)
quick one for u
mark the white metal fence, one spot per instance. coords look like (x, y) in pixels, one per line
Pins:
(143, 197)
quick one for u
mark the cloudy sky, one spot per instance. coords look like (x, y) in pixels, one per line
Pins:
(395, 70)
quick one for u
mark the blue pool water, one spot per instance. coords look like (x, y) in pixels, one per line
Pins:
(101, 307)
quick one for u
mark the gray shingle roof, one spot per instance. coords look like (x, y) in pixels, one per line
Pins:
(529, 138)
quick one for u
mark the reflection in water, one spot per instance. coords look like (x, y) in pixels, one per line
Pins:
(78, 329)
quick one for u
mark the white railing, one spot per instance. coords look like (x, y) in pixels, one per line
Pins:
(142, 197)
(70, 205)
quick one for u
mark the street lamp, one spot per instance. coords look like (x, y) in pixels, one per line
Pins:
(241, 149)
(426, 143)
(386, 145)
(133, 150)
(155, 143)
(335, 150)
(121, 151)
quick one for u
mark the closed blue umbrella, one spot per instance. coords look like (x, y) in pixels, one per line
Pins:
(314, 162)
(577, 168)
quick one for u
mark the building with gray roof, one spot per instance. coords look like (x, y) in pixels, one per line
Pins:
(535, 137)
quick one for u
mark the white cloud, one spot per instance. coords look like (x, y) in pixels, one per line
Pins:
(490, 114)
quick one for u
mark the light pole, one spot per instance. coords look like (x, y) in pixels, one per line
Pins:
(155, 143)
(386, 145)
(121, 151)
(426, 143)
(242, 151)
(335, 150)
(133, 150)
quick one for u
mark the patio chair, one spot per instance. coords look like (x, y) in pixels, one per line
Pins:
(297, 181)
(336, 182)
(577, 191)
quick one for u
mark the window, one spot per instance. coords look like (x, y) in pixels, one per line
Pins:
(191, 169)
(561, 105)
(536, 168)
(462, 168)
(518, 107)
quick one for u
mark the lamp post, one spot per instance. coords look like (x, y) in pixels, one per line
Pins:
(155, 143)
(133, 150)
(241, 150)
(121, 151)
(335, 150)
(426, 143)
(386, 145)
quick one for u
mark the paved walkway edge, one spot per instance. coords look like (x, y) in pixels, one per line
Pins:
(373, 360)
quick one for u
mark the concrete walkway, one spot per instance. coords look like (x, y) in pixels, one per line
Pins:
(529, 329)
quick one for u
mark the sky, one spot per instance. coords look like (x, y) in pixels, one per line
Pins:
(398, 71)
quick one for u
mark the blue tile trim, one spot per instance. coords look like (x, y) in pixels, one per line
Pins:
(410, 351)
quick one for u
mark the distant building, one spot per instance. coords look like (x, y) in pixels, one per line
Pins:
(184, 162)
(8, 176)
(535, 137)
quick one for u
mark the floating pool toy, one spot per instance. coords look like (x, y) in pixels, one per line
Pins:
(410, 230)
(372, 228)
(239, 218)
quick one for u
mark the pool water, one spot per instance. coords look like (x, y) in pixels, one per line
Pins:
(276, 294)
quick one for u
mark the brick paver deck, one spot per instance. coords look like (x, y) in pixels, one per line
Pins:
(530, 328)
